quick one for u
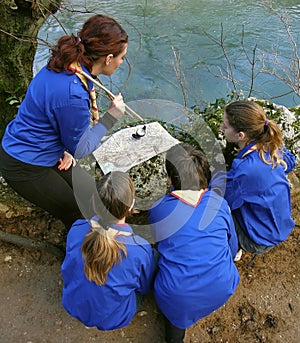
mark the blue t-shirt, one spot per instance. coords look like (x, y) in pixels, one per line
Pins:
(53, 117)
(196, 273)
(112, 305)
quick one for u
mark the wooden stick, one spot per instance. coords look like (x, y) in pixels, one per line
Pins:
(32, 244)
(128, 110)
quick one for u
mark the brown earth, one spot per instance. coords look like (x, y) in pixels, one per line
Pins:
(264, 308)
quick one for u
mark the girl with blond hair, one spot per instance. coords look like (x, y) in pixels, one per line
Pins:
(257, 189)
(107, 268)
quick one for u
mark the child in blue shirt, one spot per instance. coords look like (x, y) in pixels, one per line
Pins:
(107, 268)
(256, 187)
(196, 241)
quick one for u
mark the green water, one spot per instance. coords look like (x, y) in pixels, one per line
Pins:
(158, 28)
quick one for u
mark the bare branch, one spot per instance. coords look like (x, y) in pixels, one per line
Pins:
(29, 39)
(180, 76)
(290, 75)
(251, 61)
(227, 74)
(140, 41)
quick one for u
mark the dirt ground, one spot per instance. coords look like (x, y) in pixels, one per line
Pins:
(264, 308)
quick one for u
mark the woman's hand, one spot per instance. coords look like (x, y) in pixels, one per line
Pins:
(66, 161)
(117, 106)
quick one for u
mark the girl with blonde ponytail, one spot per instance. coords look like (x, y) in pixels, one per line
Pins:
(257, 189)
(107, 268)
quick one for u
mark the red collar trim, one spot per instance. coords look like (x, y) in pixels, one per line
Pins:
(189, 197)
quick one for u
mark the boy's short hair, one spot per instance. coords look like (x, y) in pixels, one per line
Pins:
(187, 167)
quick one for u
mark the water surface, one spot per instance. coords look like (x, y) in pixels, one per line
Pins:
(159, 28)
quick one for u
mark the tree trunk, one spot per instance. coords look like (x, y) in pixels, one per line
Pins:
(20, 21)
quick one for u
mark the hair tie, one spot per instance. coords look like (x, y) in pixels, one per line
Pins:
(266, 122)
(78, 39)
(98, 226)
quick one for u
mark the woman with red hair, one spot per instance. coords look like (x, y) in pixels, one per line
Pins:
(52, 126)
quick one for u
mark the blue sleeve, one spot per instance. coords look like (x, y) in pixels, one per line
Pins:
(290, 160)
(90, 140)
(218, 182)
(233, 192)
(232, 237)
(147, 273)
(227, 184)
(153, 218)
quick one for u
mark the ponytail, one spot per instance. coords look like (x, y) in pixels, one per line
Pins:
(101, 252)
(69, 49)
(271, 142)
(100, 249)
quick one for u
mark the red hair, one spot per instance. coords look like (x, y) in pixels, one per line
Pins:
(99, 36)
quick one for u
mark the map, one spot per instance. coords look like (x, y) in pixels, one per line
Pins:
(125, 149)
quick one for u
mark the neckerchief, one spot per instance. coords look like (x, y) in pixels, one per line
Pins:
(189, 197)
(112, 233)
(246, 150)
(94, 109)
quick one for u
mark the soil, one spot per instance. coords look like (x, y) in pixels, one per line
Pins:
(264, 308)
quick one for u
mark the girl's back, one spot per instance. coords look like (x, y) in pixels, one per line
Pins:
(113, 304)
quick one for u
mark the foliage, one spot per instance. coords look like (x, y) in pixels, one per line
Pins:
(14, 99)
(212, 115)
(19, 26)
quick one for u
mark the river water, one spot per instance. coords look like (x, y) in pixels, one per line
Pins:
(159, 30)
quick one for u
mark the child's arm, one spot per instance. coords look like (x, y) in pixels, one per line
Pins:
(148, 268)
(232, 237)
(290, 160)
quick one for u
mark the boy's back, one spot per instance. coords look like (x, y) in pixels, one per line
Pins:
(197, 245)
